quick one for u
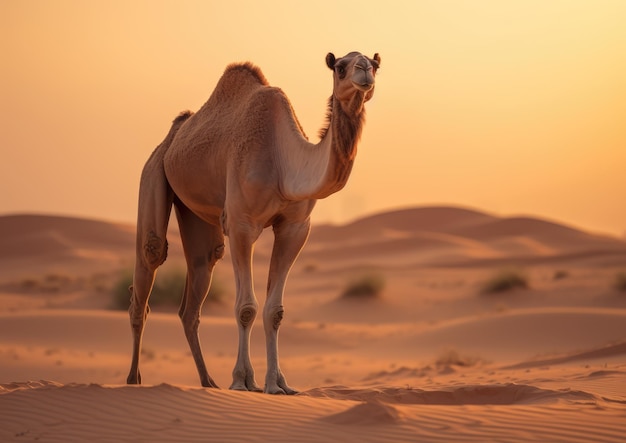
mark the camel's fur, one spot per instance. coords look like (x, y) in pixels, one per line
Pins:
(240, 164)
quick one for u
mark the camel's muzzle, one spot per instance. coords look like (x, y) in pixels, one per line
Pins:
(363, 77)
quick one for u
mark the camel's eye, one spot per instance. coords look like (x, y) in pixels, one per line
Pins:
(341, 70)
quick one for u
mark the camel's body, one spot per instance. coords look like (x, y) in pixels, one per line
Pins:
(240, 164)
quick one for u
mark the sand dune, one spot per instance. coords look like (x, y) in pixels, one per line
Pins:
(444, 236)
(431, 358)
(25, 235)
(36, 244)
(472, 234)
(51, 412)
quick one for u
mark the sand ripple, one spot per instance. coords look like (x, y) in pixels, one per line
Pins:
(48, 411)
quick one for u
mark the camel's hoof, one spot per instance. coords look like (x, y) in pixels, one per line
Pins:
(209, 384)
(241, 386)
(280, 390)
(134, 379)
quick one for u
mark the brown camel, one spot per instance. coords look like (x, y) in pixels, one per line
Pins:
(240, 164)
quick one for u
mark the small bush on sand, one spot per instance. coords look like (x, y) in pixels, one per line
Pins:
(453, 358)
(366, 286)
(505, 280)
(560, 275)
(49, 283)
(620, 281)
(121, 294)
(167, 290)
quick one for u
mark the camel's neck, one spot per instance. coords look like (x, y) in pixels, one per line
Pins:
(317, 171)
(341, 139)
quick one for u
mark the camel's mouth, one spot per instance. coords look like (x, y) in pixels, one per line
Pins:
(363, 87)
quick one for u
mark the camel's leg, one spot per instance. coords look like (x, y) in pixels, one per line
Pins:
(242, 238)
(203, 244)
(155, 206)
(138, 311)
(289, 240)
(155, 203)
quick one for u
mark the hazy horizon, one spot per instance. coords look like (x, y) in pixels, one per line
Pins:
(507, 107)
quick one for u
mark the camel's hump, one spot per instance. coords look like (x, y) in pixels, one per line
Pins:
(246, 68)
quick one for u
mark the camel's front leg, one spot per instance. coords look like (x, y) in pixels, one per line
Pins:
(289, 240)
(246, 306)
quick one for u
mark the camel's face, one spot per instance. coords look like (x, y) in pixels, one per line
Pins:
(353, 74)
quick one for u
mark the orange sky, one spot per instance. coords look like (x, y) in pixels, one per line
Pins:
(515, 107)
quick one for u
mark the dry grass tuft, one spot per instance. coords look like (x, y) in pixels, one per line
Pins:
(366, 286)
(454, 358)
(505, 280)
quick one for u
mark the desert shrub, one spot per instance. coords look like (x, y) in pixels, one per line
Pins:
(620, 281)
(48, 283)
(505, 280)
(55, 282)
(368, 285)
(453, 358)
(29, 283)
(560, 275)
(121, 294)
(167, 290)
(217, 292)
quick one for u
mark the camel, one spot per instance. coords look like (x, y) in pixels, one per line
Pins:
(240, 164)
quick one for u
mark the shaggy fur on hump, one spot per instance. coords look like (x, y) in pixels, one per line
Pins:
(256, 72)
(251, 68)
(184, 115)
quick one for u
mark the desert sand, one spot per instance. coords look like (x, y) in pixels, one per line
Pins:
(430, 358)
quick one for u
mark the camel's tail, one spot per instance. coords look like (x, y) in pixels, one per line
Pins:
(180, 119)
(165, 144)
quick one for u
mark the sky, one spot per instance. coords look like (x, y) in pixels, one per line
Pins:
(510, 107)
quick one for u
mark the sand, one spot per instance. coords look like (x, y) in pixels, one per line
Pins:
(431, 358)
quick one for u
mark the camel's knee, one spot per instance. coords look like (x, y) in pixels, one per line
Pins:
(274, 316)
(154, 249)
(246, 315)
(201, 261)
(218, 252)
(208, 260)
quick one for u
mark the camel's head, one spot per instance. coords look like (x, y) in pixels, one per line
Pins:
(353, 74)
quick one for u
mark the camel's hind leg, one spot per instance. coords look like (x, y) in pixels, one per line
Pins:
(155, 206)
(155, 203)
(204, 246)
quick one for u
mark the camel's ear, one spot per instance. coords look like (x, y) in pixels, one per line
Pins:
(377, 60)
(330, 60)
